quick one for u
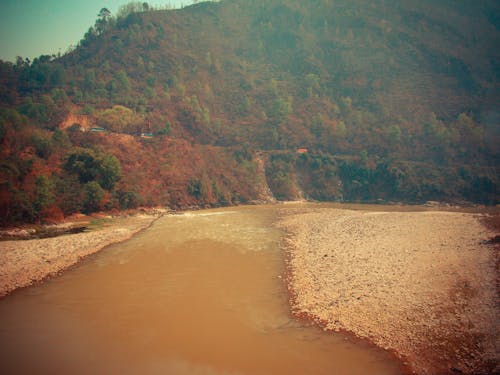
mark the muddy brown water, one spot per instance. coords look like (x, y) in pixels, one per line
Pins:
(197, 293)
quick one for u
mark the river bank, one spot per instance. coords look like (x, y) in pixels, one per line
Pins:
(27, 262)
(421, 284)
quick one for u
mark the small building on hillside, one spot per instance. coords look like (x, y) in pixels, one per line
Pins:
(302, 151)
(96, 129)
(147, 135)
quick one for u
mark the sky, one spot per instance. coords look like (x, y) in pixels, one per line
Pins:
(30, 28)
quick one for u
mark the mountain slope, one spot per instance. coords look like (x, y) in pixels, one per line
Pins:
(393, 100)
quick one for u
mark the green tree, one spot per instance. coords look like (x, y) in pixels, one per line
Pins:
(35, 111)
(123, 81)
(89, 80)
(194, 188)
(165, 130)
(312, 85)
(280, 109)
(128, 199)
(70, 193)
(102, 22)
(94, 194)
(43, 145)
(109, 171)
(91, 166)
(130, 8)
(105, 14)
(120, 119)
(44, 193)
(83, 163)
(317, 124)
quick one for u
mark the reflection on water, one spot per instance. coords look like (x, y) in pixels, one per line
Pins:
(198, 293)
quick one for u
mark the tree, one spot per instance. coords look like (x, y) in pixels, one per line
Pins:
(341, 129)
(123, 81)
(109, 171)
(120, 119)
(70, 193)
(312, 84)
(128, 199)
(165, 130)
(83, 164)
(194, 188)
(89, 80)
(104, 14)
(131, 8)
(44, 195)
(94, 195)
(102, 22)
(280, 109)
(91, 166)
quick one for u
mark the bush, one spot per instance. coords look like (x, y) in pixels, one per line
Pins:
(94, 195)
(128, 199)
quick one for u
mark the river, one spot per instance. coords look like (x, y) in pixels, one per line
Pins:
(197, 293)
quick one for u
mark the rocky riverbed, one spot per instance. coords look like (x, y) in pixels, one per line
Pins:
(422, 284)
(25, 262)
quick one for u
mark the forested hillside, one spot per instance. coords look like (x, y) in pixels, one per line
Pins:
(389, 100)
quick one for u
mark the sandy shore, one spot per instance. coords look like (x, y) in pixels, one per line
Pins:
(23, 263)
(418, 283)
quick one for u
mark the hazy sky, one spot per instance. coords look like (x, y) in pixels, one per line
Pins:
(30, 28)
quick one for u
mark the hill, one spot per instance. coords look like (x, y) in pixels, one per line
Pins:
(389, 100)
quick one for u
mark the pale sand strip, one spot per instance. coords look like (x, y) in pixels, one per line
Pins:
(420, 284)
(23, 263)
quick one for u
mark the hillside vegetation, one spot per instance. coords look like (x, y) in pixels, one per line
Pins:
(393, 100)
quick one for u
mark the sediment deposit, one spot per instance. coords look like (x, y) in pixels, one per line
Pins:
(422, 284)
(23, 263)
